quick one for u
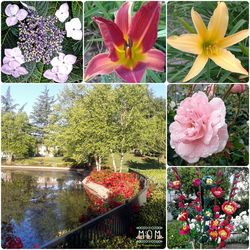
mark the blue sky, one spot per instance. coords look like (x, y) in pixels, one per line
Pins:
(28, 93)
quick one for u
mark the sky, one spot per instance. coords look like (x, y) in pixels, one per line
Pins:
(28, 93)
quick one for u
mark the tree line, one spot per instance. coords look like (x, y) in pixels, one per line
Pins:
(87, 124)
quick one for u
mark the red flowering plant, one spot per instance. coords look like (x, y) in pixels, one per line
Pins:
(206, 216)
(122, 187)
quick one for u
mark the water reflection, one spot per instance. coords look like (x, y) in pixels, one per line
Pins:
(37, 206)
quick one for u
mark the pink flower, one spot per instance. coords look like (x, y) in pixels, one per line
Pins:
(14, 68)
(199, 129)
(216, 208)
(196, 182)
(238, 88)
(14, 14)
(184, 230)
(14, 54)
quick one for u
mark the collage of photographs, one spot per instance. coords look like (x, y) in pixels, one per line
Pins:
(124, 124)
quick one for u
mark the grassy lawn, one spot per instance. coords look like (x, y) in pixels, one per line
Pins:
(130, 161)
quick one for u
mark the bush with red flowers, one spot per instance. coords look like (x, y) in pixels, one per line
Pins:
(206, 217)
(122, 187)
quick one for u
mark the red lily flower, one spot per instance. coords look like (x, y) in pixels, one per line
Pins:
(229, 207)
(184, 230)
(175, 185)
(217, 192)
(130, 43)
(183, 216)
(213, 234)
(224, 233)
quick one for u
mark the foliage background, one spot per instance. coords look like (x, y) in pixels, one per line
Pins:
(180, 22)
(93, 43)
(9, 38)
(236, 152)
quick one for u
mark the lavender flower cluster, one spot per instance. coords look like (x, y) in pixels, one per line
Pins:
(39, 37)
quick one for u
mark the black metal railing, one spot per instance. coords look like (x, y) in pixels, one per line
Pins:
(115, 222)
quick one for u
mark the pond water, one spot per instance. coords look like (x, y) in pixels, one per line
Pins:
(39, 205)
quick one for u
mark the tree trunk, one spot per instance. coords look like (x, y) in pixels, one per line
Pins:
(100, 163)
(9, 159)
(113, 161)
(121, 162)
(97, 163)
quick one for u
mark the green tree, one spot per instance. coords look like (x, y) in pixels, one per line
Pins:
(16, 137)
(42, 109)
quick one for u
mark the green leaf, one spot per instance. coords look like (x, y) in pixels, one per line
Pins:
(161, 33)
(41, 7)
(77, 9)
(237, 26)
(186, 25)
(154, 76)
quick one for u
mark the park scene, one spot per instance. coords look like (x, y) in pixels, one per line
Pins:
(83, 166)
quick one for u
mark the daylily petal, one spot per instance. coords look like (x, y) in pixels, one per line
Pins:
(226, 60)
(70, 59)
(233, 39)
(187, 43)
(11, 21)
(21, 14)
(131, 75)
(123, 18)
(155, 60)
(197, 67)
(100, 64)
(218, 23)
(111, 35)
(143, 28)
(198, 23)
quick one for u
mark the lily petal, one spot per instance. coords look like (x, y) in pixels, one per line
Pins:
(197, 67)
(123, 18)
(233, 39)
(187, 43)
(226, 60)
(218, 23)
(155, 60)
(198, 23)
(99, 65)
(132, 75)
(111, 35)
(144, 25)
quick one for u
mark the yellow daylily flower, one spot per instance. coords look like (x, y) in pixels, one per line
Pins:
(210, 42)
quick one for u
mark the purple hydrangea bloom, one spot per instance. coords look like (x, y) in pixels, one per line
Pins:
(39, 38)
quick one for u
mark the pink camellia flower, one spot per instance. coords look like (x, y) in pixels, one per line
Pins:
(197, 182)
(130, 42)
(14, 14)
(216, 208)
(14, 68)
(199, 129)
(238, 88)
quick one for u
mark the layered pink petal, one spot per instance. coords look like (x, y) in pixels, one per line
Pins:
(155, 60)
(99, 65)
(49, 74)
(22, 71)
(11, 21)
(132, 75)
(6, 69)
(123, 18)
(111, 35)
(144, 25)
(21, 14)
